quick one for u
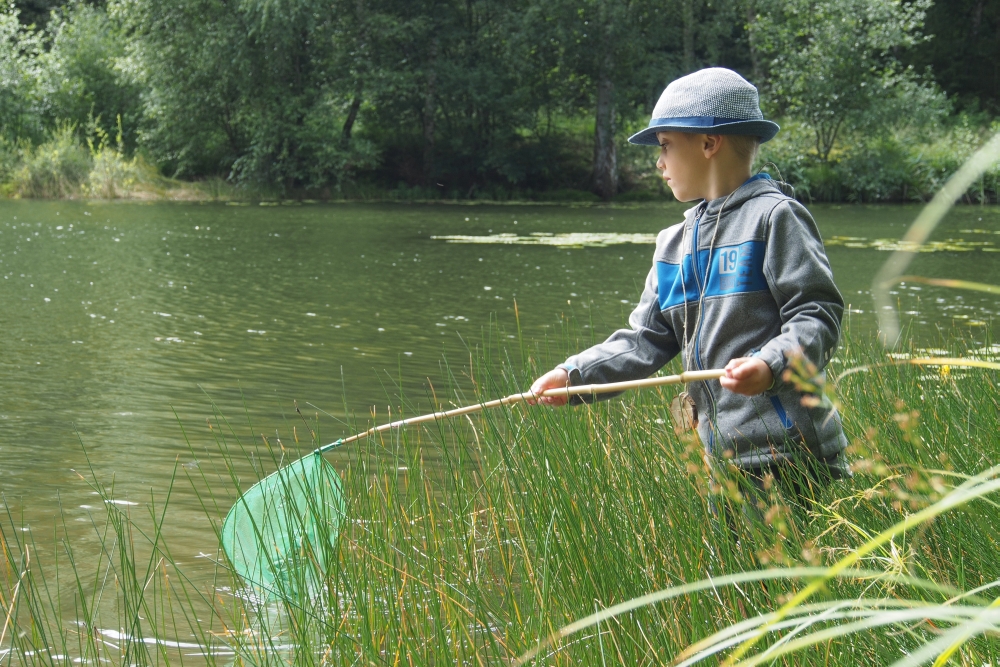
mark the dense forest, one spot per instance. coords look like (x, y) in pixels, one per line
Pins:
(879, 100)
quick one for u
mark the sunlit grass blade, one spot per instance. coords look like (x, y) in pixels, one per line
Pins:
(960, 635)
(703, 585)
(980, 485)
(832, 610)
(790, 644)
(955, 284)
(957, 362)
(801, 618)
(885, 619)
(918, 233)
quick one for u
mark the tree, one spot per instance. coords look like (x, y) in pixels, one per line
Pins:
(36, 12)
(833, 65)
(964, 53)
(609, 55)
(79, 77)
(20, 98)
(251, 88)
(452, 99)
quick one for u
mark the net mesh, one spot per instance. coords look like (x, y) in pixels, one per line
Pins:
(281, 535)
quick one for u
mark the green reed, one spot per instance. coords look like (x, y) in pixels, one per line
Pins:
(468, 542)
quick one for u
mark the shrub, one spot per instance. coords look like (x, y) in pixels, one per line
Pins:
(8, 159)
(112, 174)
(906, 165)
(55, 168)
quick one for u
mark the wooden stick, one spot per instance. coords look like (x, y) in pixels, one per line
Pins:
(592, 389)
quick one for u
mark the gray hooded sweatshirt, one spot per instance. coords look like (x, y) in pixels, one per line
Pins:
(766, 289)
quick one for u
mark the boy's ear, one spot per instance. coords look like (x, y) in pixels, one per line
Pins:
(711, 144)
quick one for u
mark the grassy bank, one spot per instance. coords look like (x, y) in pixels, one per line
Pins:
(468, 541)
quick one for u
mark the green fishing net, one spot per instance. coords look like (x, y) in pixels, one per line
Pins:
(281, 534)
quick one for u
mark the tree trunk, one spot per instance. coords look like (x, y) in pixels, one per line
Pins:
(758, 74)
(977, 19)
(429, 113)
(605, 155)
(826, 137)
(689, 28)
(361, 43)
(352, 114)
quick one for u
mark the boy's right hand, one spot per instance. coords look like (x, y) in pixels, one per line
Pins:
(557, 378)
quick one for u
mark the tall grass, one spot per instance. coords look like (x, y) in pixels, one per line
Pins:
(66, 167)
(53, 169)
(468, 542)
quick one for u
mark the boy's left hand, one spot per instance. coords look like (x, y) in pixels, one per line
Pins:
(748, 376)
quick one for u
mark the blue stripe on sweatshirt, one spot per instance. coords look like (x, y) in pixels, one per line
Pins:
(733, 269)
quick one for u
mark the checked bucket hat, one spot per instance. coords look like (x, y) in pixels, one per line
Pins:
(715, 100)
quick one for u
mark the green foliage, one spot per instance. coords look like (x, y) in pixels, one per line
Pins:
(488, 99)
(246, 88)
(64, 167)
(68, 73)
(112, 175)
(8, 161)
(54, 168)
(966, 39)
(36, 12)
(909, 164)
(832, 66)
(81, 76)
(20, 48)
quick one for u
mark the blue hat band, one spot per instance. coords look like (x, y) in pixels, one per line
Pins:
(697, 121)
(765, 129)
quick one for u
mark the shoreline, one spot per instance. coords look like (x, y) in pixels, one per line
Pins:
(187, 198)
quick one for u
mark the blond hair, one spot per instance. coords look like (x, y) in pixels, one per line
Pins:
(745, 146)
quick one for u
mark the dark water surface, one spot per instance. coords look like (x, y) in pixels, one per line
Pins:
(116, 316)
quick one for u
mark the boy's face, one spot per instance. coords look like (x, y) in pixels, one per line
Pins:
(684, 162)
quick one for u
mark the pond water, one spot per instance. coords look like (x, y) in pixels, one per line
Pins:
(120, 318)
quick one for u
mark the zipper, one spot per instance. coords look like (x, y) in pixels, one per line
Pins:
(697, 329)
(695, 255)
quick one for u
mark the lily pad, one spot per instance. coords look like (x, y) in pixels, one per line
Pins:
(570, 240)
(947, 245)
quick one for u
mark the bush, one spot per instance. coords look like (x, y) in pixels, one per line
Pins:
(8, 159)
(56, 168)
(907, 165)
(63, 167)
(881, 171)
(112, 174)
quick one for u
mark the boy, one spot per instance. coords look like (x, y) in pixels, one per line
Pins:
(743, 282)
